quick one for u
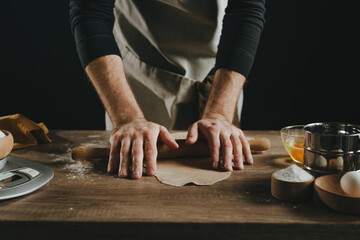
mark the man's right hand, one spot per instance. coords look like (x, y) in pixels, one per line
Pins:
(131, 142)
(133, 136)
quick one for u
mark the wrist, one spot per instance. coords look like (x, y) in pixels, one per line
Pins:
(121, 119)
(217, 116)
(224, 95)
(108, 77)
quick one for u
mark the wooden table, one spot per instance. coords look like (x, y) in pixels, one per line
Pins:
(84, 202)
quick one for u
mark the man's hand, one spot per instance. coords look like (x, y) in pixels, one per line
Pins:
(215, 125)
(131, 142)
(133, 136)
(222, 136)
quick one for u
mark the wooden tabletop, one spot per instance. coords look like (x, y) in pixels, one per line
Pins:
(82, 201)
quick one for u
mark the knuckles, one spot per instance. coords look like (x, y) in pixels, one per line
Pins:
(115, 137)
(126, 135)
(214, 129)
(136, 135)
(236, 140)
(228, 144)
(136, 151)
(148, 134)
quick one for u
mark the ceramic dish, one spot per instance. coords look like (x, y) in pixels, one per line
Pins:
(329, 190)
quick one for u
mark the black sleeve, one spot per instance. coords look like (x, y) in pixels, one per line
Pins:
(92, 24)
(242, 26)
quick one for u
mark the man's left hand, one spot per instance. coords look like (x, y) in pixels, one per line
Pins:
(224, 140)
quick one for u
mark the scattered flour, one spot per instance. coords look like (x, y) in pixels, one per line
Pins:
(79, 167)
(2, 134)
(293, 173)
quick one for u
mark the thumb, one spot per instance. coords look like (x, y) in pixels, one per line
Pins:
(167, 138)
(193, 134)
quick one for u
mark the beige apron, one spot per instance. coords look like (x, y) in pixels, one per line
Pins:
(169, 49)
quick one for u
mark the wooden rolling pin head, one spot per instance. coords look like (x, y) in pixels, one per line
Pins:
(84, 153)
(259, 144)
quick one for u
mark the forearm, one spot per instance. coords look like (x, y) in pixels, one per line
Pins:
(224, 94)
(108, 77)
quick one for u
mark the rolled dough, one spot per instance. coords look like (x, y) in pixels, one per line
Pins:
(179, 172)
(182, 171)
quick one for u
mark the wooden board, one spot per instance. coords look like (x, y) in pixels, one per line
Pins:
(84, 202)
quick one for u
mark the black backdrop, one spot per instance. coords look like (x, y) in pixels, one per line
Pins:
(306, 69)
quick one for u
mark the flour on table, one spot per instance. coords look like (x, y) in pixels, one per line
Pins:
(79, 169)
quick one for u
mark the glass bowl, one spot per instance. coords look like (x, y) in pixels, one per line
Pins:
(293, 140)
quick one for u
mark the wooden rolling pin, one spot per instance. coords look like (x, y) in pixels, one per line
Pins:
(199, 149)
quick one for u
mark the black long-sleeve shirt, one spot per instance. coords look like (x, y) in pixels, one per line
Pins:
(92, 24)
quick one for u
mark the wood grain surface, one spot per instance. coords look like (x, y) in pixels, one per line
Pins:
(82, 201)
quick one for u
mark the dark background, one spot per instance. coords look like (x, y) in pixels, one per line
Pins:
(306, 69)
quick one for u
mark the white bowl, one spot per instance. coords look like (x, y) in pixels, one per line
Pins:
(6, 145)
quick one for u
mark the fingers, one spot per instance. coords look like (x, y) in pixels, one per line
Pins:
(150, 139)
(132, 154)
(225, 138)
(193, 134)
(131, 142)
(214, 146)
(238, 155)
(219, 139)
(137, 157)
(246, 148)
(227, 149)
(124, 157)
(114, 154)
(166, 138)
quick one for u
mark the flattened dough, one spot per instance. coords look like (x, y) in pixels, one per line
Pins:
(181, 171)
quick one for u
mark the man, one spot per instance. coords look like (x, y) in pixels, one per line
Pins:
(171, 51)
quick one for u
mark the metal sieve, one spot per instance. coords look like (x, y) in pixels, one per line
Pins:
(331, 147)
